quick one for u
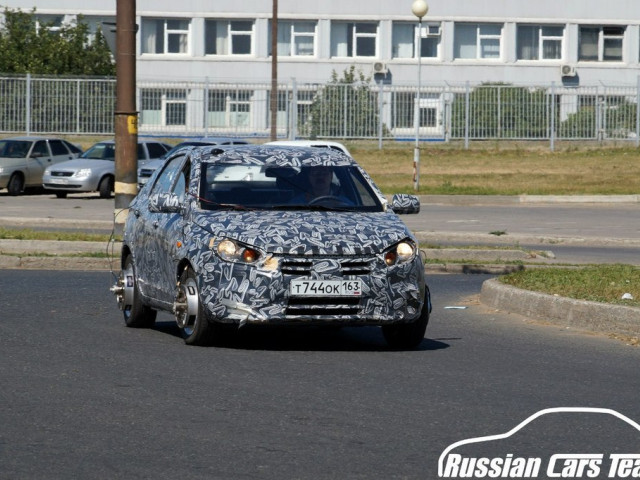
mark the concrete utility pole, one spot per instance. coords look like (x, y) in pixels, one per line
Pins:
(126, 116)
(274, 71)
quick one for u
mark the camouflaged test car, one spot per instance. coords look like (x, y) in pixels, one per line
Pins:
(227, 236)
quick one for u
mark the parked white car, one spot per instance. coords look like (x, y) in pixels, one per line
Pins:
(23, 160)
(312, 143)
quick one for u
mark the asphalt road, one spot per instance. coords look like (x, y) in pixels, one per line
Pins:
(84, 397)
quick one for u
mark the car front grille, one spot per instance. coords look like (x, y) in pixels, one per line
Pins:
(303, 267)
(324, 307)
(61, 174)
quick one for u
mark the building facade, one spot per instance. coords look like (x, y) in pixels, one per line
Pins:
(208, 48)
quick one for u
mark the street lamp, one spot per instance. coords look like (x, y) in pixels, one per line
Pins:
(419, 9)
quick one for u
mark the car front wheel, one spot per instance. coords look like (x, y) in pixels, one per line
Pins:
(106, 187)
(406, 336)
(136, 314)
(189, 312)
(16, 184)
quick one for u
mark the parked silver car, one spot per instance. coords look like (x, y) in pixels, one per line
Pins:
(94, 171)
(145, 172)
(23, 160)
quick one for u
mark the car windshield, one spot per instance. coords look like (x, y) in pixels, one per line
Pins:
(101, 151)
(241, 186)
(14, 148)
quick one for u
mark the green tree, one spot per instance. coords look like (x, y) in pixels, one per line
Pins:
(502, 111)
(345, 107)
(70, 50)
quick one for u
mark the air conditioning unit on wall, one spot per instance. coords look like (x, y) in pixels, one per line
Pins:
(380, 67)
(568, 71)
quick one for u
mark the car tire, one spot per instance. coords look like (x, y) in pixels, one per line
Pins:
(190, 315)
(106, 187)
(15, 185)
(407, 336)
(136, 314)
(61, 194)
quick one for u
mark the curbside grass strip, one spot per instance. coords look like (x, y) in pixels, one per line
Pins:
(593, 316)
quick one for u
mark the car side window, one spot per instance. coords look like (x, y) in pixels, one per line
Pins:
(40, 148)
(156, 150)
(167, 176)
(180, 188)
(72, 148)
(141, 153)
(58, 148)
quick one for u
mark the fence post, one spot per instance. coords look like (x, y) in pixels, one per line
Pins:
(638, 112)
(78, 85)
(27, 100)
(380, 112)
(205, 107)
(552, 120)
(293, 131)
(466, 115)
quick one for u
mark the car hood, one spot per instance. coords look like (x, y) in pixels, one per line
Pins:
(79, 163)
(304, 232)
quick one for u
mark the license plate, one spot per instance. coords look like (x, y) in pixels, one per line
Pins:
(60, 181)
(325, 288)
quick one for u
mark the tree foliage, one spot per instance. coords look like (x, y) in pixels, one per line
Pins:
(345, 107)
(69, 50)
(498, 111)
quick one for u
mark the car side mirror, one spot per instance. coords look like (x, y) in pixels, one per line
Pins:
(403, 203)
(165, 203)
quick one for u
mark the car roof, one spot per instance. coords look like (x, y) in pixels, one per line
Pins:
(140, 140)
(214, 140)
(312, 143)
(274, 155)
(31, 138)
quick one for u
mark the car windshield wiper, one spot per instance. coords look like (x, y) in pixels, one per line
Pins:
(322, 208)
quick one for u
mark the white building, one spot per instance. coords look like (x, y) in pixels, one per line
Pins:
(566, 43)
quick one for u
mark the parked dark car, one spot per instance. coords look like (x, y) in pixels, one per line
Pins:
(227, 236)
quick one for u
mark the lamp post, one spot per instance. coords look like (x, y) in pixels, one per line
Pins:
(419, 9)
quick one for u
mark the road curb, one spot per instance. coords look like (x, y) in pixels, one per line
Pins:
(581, 314)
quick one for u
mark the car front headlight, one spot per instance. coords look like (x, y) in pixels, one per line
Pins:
(82, 173)
(233, 251)
(400, 253)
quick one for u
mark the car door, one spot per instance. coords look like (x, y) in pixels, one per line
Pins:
(39, 158)
(59, 151)
(155, 235)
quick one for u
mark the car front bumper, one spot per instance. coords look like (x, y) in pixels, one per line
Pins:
(236, 293)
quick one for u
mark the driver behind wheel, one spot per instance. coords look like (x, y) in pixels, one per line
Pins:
(320, 186)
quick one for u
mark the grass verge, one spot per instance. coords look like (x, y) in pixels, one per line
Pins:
(596, 283)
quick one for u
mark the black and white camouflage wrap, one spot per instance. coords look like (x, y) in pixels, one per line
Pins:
(293, 244)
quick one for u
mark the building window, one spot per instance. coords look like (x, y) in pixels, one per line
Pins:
(229, 108)
(53, 23)
(165, 35)
(165, 107)
(601, 44)
(354, 39)
(477, 40)
(223, 37)
(537, 42)
(405, 36)
(295, 39)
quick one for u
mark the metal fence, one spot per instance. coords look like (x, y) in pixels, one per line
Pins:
(38, 105)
